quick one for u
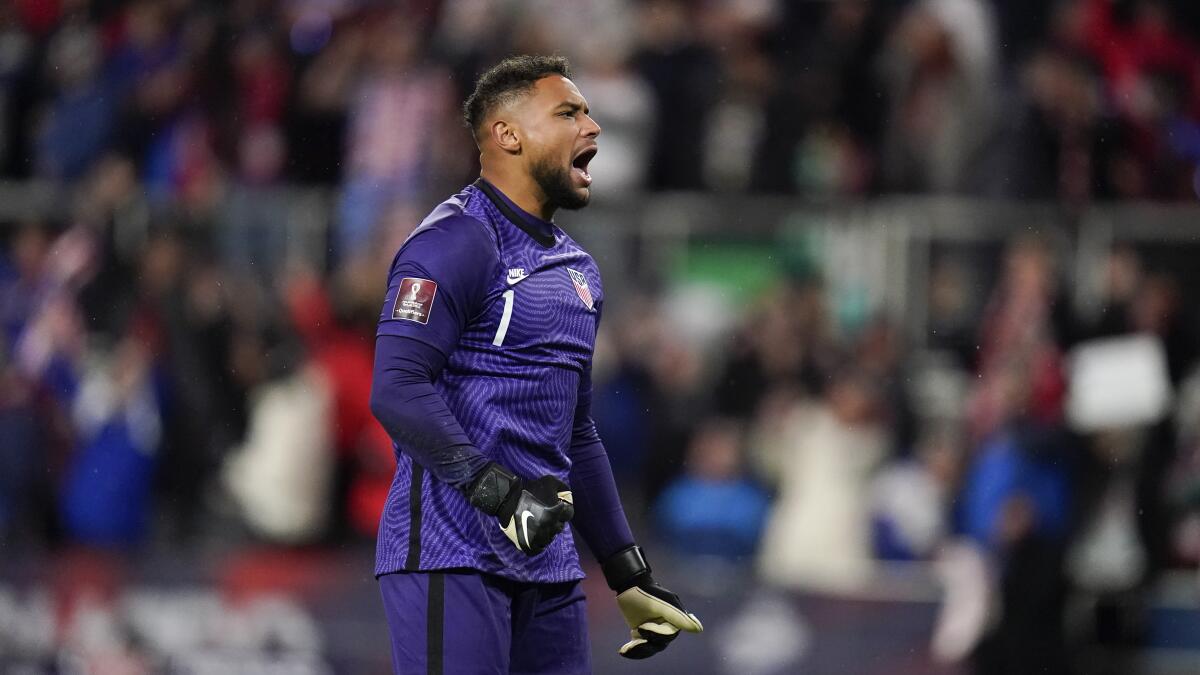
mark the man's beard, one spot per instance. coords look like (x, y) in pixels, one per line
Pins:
(555, 183)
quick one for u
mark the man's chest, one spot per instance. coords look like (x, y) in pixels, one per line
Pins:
(544, 309)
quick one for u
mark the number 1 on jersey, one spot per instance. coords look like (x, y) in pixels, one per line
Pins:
(505, 318)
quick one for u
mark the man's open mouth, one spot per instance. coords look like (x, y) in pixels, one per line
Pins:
(579, 165)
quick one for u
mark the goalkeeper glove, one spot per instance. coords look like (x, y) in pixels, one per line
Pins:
(530, 513)
(654, 614)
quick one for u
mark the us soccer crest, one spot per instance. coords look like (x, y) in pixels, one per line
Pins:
(581, 287)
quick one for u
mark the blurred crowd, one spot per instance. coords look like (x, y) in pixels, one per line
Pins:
(172, 375)
(1049, 494)
(1069, 99)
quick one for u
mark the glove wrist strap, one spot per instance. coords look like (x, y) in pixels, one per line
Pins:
(488, 491)
(624, 568)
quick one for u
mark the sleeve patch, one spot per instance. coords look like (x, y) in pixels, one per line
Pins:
(414, 300)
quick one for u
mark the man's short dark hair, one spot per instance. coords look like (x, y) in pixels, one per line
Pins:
(507, 81)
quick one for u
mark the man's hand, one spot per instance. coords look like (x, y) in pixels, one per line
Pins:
(531, 513)
(654, 614)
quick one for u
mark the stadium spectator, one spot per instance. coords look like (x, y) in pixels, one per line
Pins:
(940, 74)
(713, 509)
(1026, 325)
(399, 143)
(911, 498)
(78, 124)
(785, 343)
(823, 144)
(280, 477)
(680, 68)
(625, 105)
(108, 488)
(821, 455)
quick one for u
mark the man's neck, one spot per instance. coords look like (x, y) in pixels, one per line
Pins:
(521, 189)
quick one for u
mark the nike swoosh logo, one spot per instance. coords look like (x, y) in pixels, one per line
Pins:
(514, 279)
(525, 516)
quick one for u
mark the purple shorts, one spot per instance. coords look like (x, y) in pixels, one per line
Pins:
(464, 621)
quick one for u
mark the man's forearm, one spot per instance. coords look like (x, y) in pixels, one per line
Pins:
(416, 416)
(599, 516)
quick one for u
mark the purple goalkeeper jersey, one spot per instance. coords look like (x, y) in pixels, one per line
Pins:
(513, 303)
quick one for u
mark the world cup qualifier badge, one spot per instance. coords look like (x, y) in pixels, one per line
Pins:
(414, 300)
(581, 287)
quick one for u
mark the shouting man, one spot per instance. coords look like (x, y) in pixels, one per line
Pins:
(483, 380)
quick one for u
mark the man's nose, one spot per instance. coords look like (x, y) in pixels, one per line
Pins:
(590, 129)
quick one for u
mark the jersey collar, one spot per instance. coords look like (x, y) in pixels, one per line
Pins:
(539, 230)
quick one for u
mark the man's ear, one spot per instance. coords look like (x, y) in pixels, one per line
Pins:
(506, 136)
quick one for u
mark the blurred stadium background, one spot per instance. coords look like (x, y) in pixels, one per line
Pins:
(898, 373)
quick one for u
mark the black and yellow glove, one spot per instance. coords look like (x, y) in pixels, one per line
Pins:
(654, 614)
(531, 513)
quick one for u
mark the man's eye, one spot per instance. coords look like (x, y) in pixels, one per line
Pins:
(566, 113)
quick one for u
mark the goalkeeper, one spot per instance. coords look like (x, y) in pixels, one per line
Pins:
(483, 380)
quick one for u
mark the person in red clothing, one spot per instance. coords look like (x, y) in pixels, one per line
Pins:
(324, 316)
(1127, 51)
